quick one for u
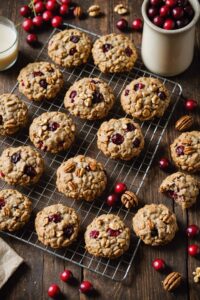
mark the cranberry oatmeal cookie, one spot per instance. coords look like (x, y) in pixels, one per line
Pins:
(185, 151)
(107, 236)
(182, 188)
(15, 210)
(13, 114)
(69, 48)
(40, 80)
(120, 138)
(155, 224)
(57, 225)
(21, 165)
(145, 98)
(89, 98)
(52, 132)
(81, 177)
(114, 53)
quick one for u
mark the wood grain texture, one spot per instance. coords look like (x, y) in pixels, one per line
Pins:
(32, 279)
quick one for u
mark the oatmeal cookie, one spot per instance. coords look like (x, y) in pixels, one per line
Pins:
(13, 114)
(182, 188)
(107, 236)
(81, 177)
(114, 53)
(57, 225)
(145, 98)
(15, 210)
(21, 165)
(185, 151)
(120, 138)
(52, 132)
(155, 224)
(40, 80)
(70, 48)
(89, 98)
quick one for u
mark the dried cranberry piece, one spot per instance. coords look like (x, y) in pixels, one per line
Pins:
(130, 127)
(43, 83)
(53, 126)
(2, 203)
(2, 174)
(136, 142)
(68, 231)
(112, 232)
(40, 145)
(172, 194)
(97, 97)
(15, 157)
(22, 82)
(106, 47)
(88, 168)
(29, 171)
(1, 120)
(128, 51)
(154, 232)
(180, 150)
(74, 39)
(117, 139)
(56, 218)
(94, 234)
(126, 92)
(138, 86)
(37, 73)
(72, 95)
(162, 95)
(72, 51)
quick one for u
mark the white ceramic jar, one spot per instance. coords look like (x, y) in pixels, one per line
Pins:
(168, 52)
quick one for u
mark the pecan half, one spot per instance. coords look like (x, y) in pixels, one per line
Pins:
(189, 150)
(172, 281)
(184, 123)
(69, 167)
(129, 199)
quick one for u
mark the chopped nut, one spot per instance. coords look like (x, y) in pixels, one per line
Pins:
(129, 199)
(184, 123)
(196, 274)
(69, 167)
(72, 186)
(120, 9)
(172, 281)
(78, 12)
(80, 172)
(189, 150)
(94, 11)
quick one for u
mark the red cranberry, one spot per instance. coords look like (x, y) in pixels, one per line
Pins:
(120, 188)
(182, 22)
(15, 157)
(94, 234)
(169, 24)
(182, 2)
(193, 250)
(152, 12)
(2, 203)
(53, 290)
(177, 12)
(65, 1)
(37, 73)
(53, 126)
(180, 150)
(112, 200)
(74, 39)
(25, 11)
(162, 95)
(68, 231)
(138, 86)
(164, 11)
(190, 104)
(128, 51)
(66, 275)
(39, 7)
(137, 24)
(38, 21)
(47, 16)
(32, 38)
(56, 21)
(164, 163)
(97, 97)
(192, 230)
(117, 139)
(27, 25)
(189, 11)
(171, 3)
(122, 24)
(64, 9)
(85, 286)
(30, 171)
(113, 232)
(155, 2)
(129, 127)
(126, 93)
(43, 83)
(72, 51)
(136, 142)
(106, 47)
(56, 218)
(158, 21)
(73, 94)
(158, 264)
(51, 5)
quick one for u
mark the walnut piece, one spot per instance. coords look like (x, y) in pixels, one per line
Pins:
(196, 274)
(129, 199)
(184, 123)
(172, 281)
(94, 11)
(120, 9)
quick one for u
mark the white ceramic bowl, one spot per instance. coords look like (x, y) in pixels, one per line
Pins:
(168, 52)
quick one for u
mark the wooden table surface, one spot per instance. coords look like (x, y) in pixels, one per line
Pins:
(40, 269)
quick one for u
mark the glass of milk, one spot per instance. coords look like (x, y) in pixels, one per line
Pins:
(8, 43)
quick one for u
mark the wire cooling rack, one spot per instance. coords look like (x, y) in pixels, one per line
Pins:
(133, 173)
